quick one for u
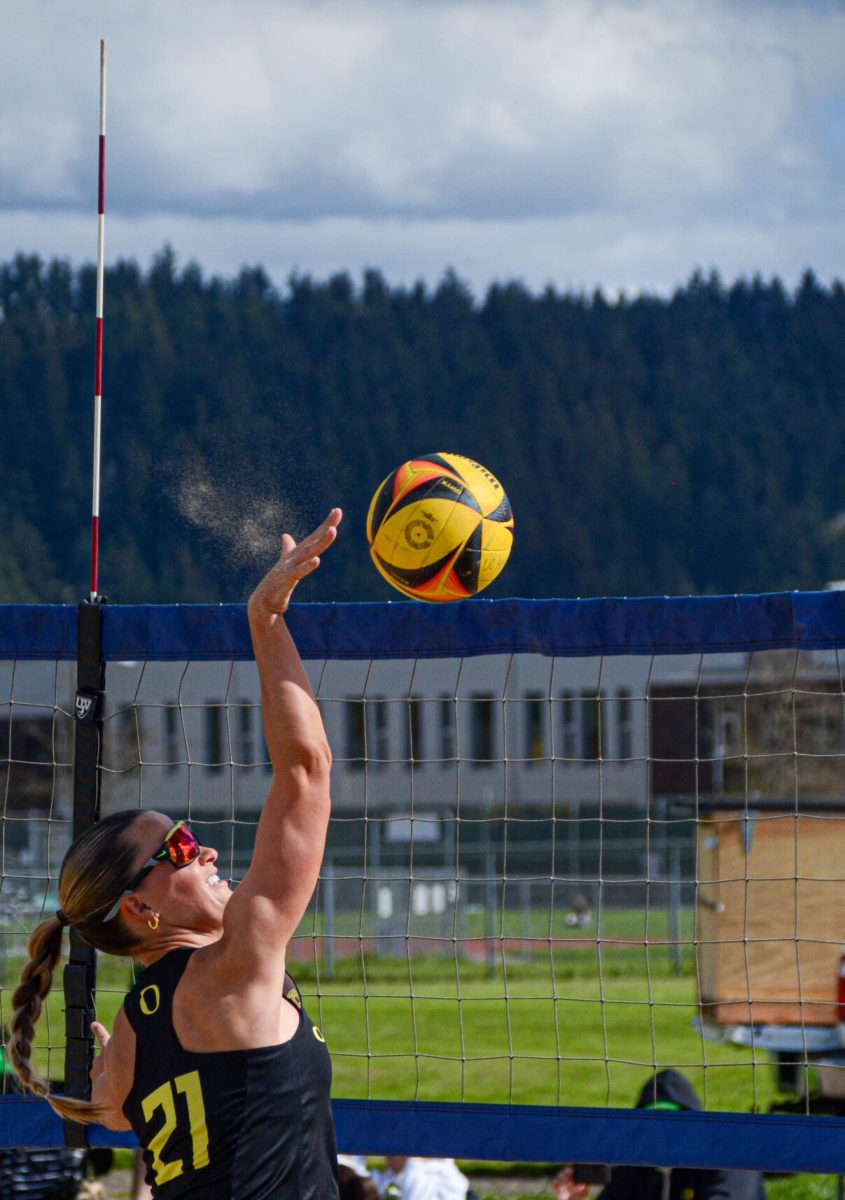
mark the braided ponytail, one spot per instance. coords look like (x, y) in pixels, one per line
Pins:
(90, 879)
(45, 949)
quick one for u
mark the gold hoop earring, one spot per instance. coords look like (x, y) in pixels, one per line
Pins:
(154, 923)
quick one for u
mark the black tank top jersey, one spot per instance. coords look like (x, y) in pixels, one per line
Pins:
(230, 1124)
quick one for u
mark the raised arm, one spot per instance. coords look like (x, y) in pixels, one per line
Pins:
(267, 906)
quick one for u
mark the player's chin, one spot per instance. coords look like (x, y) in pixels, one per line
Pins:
(218, 896)
(214, 908)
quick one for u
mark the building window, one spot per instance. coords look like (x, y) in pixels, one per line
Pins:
(591, 726)
(446, 707)
(246, 732)
(568, 727)
(172, 747)
(482, 709)
(535, 731)
(414, 730)
(27, 757)
(215, 715)
(624, 726)
(727, 733)
(818, 722)
(129, 738)
(378, 730)
(356, 736)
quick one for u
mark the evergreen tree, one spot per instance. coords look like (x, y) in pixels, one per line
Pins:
(688, 444)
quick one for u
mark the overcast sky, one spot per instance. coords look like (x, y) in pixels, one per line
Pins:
(620, 143)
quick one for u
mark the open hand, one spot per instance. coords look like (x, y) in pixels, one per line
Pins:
(273, 593)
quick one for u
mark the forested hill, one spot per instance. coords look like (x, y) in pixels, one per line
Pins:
(688, 444)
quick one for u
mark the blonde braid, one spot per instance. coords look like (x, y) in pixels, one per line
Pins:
(45, 949)
(88, 882)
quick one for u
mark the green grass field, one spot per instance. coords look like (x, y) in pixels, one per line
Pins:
(636, 924)
(550, 1029)
(565, 1024)
(587, 1046)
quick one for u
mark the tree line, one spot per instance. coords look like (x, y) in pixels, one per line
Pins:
(692, 443)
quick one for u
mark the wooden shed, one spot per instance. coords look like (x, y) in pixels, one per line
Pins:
(770, 914)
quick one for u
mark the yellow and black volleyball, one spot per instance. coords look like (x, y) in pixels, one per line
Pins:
(440, 527)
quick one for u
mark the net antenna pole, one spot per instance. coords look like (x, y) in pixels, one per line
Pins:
(98, 345)
(80, 973)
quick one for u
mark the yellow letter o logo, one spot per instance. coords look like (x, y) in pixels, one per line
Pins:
(151, 1005)
(317, 1034)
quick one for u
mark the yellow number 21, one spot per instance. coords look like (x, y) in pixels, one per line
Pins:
(165, 1099)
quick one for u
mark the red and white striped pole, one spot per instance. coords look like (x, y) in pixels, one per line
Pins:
(98, 345)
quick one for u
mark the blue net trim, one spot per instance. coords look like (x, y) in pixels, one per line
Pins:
(650, 625)
(528, 1133)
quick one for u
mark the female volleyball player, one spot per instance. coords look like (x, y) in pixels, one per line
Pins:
(212, 1061)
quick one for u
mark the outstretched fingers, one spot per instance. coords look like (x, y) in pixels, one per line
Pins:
(308, 551)
(295, 562)
(323, 535)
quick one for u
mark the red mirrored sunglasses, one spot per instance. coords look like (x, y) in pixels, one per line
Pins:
(180, 847)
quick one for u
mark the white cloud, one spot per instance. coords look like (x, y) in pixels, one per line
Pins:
(573, 253)
(324, 131)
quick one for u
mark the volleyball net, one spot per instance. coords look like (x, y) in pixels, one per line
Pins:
(573, 843)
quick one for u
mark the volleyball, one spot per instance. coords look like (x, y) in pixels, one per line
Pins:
(440, 527)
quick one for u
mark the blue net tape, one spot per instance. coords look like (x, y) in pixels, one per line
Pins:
(651, 625)
(531, 1133)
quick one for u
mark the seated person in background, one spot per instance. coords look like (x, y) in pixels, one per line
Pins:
(422, 1179)
(354, 1179)
(580, 913)
(666, 1090)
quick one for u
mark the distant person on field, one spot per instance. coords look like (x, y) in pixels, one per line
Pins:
(580, 914)
(666, 1090)
(422, 1179)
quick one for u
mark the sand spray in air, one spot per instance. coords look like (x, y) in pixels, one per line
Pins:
(248, 524)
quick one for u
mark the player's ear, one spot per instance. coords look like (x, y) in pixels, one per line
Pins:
(134, 909)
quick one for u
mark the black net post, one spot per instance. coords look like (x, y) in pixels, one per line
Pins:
(81, 971)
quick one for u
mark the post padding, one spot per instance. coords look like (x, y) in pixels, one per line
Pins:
(80, 974)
